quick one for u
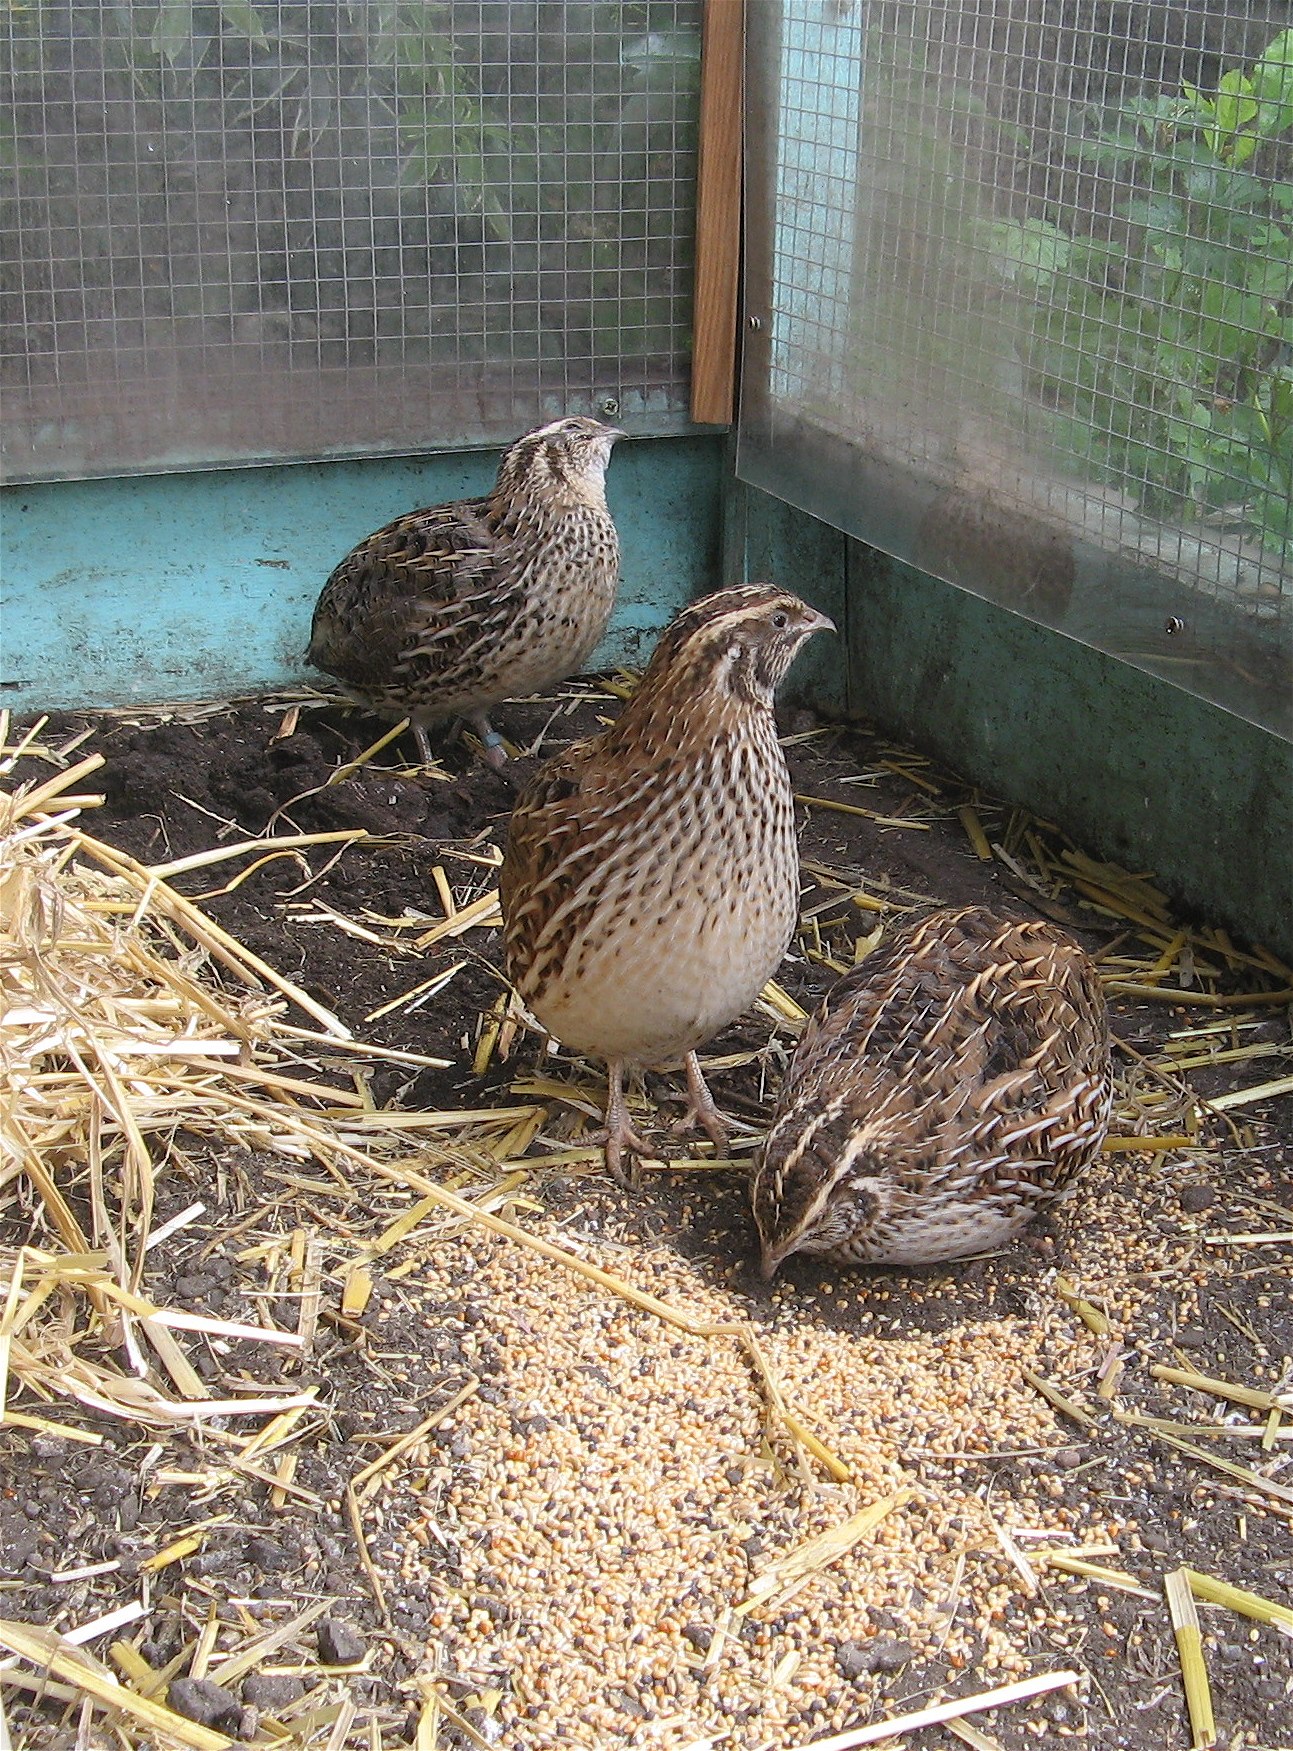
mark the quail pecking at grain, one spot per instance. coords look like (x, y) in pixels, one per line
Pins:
(447, 611)
(948, 1088)
(650, 884)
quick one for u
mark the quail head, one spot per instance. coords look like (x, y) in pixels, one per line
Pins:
(447, 611)
(650, 884)
(949, 1087)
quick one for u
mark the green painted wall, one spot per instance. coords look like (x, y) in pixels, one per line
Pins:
(200, 585)
(1133, 768)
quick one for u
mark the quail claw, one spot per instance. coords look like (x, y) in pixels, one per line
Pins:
(619, 1136)
(701, 1109)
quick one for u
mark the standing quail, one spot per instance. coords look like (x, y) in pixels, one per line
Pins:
(449, 610)
(948, 1088)
(650, 885)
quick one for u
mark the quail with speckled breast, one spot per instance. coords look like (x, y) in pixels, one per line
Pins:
(650, 885)
(448, 611)
(949, 1088)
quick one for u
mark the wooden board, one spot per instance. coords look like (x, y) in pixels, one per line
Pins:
(718, 213)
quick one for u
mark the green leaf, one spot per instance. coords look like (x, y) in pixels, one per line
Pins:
(1272, 79)
(173, 31)
(1155, 212)
(243, 18)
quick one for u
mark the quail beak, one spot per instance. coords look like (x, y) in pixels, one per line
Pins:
(770, 1262)
(819, 623)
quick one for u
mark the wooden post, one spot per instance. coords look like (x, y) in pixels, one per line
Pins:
(718, 213)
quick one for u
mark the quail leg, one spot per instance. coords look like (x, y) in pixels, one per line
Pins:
(701, 1107)
(620, 1135)
(493, 752)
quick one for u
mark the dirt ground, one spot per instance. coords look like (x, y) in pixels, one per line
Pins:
(1152, 1263)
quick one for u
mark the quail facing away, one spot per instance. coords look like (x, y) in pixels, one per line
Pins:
(947, 1089)
(447, 611)
(650, 884)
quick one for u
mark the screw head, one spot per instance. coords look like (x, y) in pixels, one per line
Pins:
(610, 406)
(754, 323)
(1174, 624)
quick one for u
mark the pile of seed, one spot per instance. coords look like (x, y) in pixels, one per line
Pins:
(620, 1494)
(617, 1487)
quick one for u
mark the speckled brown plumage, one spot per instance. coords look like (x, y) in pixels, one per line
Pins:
(651, 880)
(947, 1089)
(447, 611)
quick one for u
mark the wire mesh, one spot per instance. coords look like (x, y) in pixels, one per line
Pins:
(257, 229)
(1022, 275)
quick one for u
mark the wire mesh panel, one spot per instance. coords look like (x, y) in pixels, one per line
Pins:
(1020, 301)
(250, 230)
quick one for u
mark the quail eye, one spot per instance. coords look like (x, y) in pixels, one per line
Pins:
(781, 620)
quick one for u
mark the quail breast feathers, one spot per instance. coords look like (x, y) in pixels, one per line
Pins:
(447, 611)
(948, 1088)
(650, 884)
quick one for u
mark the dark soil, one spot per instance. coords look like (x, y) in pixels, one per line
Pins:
(177, 784)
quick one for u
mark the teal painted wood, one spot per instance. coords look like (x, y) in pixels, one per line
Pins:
(768, 541)
(1135, 769)
(200, 586)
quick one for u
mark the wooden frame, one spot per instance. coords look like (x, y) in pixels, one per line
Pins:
(718, 213)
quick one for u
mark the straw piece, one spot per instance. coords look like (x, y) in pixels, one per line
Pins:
(481, 912)
(357, 1291)
(1214, 1431)
(365, 1556)
(218, 942)
(13, 1419)
(1059, 1400)
(969, 819)
(1246, 1097)
(366, 1480)
(134, 1668)
(1205, 999)
(1189, 1645)
(899, 1725)
(819, 1552)
(1159, 1145)
(237, 1665)
(54, 1653)
(1240, 1600)
(462, 1725)
(1087, 1311)
(1072, 1564)
(1252, 1396)
(805, 1437)
(104, 1625)
(1277, 1239)
(172, 1553)
(1245, 1474)
(342, 772)
(33, 799)
(782, 1003)
(245, 847)
(823, 802)
(972, 1736)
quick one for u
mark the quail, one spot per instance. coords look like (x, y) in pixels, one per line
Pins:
(948, 1088)
(650, 884)
(449, 610)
